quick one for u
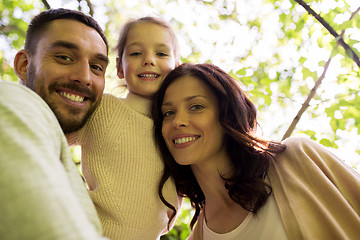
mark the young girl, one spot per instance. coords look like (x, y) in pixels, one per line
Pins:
(120, 162)
(242, 186)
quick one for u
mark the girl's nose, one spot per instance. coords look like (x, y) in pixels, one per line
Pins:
(149, 59)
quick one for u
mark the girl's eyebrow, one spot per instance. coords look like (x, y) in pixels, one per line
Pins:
(163, 45)
(140, 44)
(132, 44)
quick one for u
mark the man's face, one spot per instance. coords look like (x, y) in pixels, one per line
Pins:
(68, 71)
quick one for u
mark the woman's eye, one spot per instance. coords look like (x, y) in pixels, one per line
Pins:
(168, 114)
(196, 107)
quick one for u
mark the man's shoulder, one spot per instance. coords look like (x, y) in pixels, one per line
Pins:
(15, 97)
(16, 91)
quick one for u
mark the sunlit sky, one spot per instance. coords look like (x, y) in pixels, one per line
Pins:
(228, 36)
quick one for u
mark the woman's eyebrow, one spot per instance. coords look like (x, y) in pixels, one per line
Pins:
(187, 99)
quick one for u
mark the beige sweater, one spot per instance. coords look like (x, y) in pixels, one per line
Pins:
(42, 194)
(318, 196)
(121, 163)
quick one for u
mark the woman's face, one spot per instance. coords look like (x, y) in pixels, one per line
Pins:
(191, 126)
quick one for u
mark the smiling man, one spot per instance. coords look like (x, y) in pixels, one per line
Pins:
(63, 65)
(66, 67)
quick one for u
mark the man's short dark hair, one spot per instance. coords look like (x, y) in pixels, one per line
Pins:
(39, 23)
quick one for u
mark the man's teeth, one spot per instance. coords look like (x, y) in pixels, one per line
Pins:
(72, 97)
(184, 140)
(148, 75)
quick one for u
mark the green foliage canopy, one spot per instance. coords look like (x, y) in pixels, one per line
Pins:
(275, 48)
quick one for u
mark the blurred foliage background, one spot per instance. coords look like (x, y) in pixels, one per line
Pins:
(298, 60)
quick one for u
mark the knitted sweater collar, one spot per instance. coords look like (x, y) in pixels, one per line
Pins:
(139, 104)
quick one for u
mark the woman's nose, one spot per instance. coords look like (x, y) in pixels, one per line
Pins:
(180, 120)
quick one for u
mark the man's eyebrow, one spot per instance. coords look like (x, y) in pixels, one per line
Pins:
(64, 44)
(71, 45)
(103, 58)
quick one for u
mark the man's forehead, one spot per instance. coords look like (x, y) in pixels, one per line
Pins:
(74, 33)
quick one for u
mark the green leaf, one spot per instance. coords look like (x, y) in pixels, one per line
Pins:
(328, 143)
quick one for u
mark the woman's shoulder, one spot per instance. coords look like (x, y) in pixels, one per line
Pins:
(301, 144)
(301, 150)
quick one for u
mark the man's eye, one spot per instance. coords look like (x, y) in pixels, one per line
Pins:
(63, 58)
(97, 68)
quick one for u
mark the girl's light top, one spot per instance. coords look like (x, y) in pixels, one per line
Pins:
(120, 155)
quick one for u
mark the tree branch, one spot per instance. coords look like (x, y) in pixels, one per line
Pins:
(7, 29)
(305, 105)
(91, 7)
(47, 5)
(338, 38)
(351, 17)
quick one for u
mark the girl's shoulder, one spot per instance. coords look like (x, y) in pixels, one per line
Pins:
(111, 104)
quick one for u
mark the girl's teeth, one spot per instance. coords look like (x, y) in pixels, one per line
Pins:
(149, 75)
(184, 140)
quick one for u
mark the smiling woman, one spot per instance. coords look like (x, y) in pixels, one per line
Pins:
(191, 128)
(243, 186)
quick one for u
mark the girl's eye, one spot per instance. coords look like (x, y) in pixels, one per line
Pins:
(162, 54)
(196, 107)
(135, 54)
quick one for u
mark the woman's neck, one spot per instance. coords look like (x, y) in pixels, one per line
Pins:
(222, 214)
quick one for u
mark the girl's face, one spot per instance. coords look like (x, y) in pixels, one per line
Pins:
(148, 57)
(191, 126)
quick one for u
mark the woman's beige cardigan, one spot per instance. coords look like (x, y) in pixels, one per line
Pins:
(317, 194)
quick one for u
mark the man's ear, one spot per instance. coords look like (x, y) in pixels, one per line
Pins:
(120, 72)
(21, 64)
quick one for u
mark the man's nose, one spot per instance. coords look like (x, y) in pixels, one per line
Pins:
(81, 73)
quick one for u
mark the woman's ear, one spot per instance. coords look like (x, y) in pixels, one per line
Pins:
(21, 64)
(120, 72)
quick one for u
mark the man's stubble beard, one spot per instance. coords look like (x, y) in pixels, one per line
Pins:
(67, 124)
